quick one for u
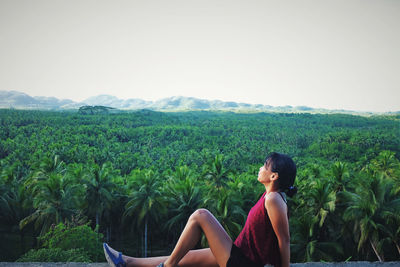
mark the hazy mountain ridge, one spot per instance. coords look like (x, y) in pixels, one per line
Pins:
(19, 100)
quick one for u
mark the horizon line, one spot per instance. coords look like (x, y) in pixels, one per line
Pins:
(208, 99)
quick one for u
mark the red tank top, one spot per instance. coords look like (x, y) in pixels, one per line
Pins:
(258, 240)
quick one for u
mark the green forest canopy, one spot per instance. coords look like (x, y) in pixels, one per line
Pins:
(130, 171)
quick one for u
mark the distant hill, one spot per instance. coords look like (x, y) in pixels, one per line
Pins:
(19, 100)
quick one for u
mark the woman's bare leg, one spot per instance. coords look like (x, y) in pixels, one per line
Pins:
(202, 221)
(198, 257)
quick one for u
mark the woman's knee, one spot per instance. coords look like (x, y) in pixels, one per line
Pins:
(200, 215)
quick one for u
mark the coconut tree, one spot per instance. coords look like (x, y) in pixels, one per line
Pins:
(216, 172)
(51, 165)
(310, 232)
(228, 211)
(184, 197)
(322, 199)
(242, 188)
(392, 230)
(55, 199)
(386, 163)
(389, 166)
(391, 216)
(12, 199)
(340, 175)
(11, 204)
(99, 190)
(305, 244)
(372, 201)
(53, 196)
(145, 202)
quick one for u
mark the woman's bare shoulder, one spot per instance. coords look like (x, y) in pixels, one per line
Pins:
(274, 200)
(271, 196)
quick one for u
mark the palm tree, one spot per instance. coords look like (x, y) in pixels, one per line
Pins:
(54, 199)
(77, 172)
(386, 163)
(340, 174)
(322, 199)
(227, 210)
(367, 206)
(311, 239)
(52, 193)
(99, 190)
(392, 230)
(48, 165)
(183, 195)
(12, 208)
(217, 173)
(305, 245)
(145, 201)
(181, 173)
(391, 216)
(242, 188)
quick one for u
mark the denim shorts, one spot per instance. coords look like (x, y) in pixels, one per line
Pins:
(238, 259)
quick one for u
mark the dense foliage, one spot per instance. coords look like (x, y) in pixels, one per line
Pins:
(54, 255)
(139, 175)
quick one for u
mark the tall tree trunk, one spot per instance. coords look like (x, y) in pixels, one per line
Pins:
(97, 219)
(142, 244)
(145, 238)
(107, 234)
(398, 247)
(21, 238)
(376, 252)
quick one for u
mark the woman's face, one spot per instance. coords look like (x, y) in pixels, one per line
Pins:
(265, 174)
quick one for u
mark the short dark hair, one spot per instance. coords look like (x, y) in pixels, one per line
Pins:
(286, 168)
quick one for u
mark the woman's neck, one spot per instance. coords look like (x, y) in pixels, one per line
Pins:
(270, 187)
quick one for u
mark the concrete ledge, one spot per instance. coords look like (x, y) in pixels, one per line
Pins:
(49, 264)
(348, 264)
(103, 264)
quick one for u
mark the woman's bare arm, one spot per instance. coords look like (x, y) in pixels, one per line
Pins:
(277, 212)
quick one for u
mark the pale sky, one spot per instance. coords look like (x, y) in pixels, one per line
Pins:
(336, 54)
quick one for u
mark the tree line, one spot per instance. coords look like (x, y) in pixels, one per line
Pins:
(139, 175)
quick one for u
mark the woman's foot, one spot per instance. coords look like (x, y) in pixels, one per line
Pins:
(114, 258)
